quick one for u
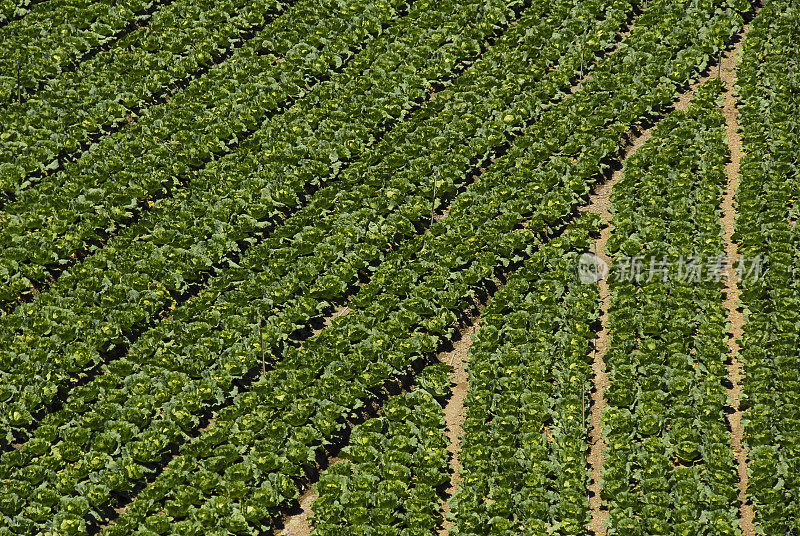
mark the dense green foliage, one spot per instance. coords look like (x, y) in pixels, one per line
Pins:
(669, 467)
(179, 41)
(769, 87)
(50, 40)
(388, 479)
(523, 458)
(190, 188)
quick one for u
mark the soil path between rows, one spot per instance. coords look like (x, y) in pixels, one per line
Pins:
(299, 523)
(455, 412)
(727, 73)
(600, 204)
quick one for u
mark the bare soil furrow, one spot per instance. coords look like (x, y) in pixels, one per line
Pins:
(298, 523)
(600, 204)
(455, 411)
(727, 73)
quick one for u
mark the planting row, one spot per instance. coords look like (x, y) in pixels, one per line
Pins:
(72, 213)
(464, 247)
(55, 36)
(342, 207)
(669, 465)
(182, 40)
(189, 347)
(361, 335)
(387, 480)
(769, 88)
(523, 455)
(13, 10)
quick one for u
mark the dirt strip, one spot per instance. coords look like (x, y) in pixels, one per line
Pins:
(299, 524)
(341, 310)
(455, 413)
(727, 74)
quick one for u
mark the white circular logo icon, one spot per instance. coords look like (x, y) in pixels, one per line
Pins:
(591, 268)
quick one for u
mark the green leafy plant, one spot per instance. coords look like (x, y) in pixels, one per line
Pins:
(669, 466)
(389, 474)
(768, 86)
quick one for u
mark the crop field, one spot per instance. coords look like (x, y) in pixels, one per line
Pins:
(400, 267)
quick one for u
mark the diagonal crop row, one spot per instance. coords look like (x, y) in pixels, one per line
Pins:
(110, 253)
(487, 262)
(670, 466)
(50, 41)
(390, 473)
(290, 243)
(127, 172)
(203, 338)
(320, 205)
(767, 198)
(203, 213)
(14, 10)
(181, 42)
(397, 318)
(507, 485)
